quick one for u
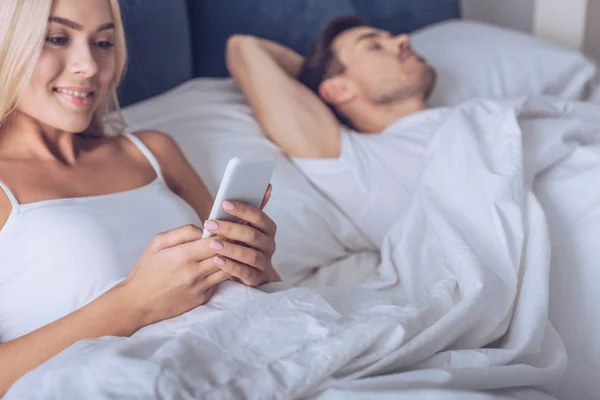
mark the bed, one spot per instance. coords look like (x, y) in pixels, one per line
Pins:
(353, 319)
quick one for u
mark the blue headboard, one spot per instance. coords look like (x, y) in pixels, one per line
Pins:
(170, 42)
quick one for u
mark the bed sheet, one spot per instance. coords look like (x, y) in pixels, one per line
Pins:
(459, 301)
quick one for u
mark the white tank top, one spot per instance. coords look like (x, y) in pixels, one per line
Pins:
(58, 255)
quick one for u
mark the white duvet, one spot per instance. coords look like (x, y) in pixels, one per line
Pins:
(504, 228)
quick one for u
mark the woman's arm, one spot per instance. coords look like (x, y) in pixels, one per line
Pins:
(110, 315)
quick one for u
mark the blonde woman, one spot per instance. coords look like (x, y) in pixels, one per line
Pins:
(80, 210)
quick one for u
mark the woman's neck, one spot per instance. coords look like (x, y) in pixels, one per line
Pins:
(24, 138)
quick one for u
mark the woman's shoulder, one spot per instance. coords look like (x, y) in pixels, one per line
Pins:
(6, 202)
(167, 152)
(162, 146)
(159, 143)
(5, 208)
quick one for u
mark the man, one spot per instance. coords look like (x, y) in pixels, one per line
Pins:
(356, 79)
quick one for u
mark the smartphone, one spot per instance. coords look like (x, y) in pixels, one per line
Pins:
(246, 181)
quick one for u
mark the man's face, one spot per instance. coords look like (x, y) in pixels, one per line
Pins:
(382, 68)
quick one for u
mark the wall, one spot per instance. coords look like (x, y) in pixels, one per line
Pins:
(561, 21)
(514, 14)
(573, 23)
(591, 41)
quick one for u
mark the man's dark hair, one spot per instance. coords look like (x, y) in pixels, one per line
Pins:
(321, 63)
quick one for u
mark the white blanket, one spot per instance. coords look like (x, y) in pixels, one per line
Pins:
(458, 304)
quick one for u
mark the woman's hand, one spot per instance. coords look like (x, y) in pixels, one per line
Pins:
(175, 273)
(245, 249)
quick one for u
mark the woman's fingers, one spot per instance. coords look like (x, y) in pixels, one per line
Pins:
(241, 251)
(177, 236)
(240, 254)
(195, 251)
(204, 268)
(244, 273)
(214, 279)
(245, 234)
(253, 215)
(267, 197)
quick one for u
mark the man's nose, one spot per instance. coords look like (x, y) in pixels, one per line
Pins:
(402, 41)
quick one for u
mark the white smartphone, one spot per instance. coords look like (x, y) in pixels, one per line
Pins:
(246, 181)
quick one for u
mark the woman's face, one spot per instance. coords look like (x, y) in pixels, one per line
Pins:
(76, 66)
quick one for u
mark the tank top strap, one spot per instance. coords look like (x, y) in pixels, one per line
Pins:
(11, 197)
(146, 152)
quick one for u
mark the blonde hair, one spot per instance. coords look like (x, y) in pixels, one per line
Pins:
(22, 35)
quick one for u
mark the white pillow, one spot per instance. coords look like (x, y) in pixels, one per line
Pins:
(480, 60)
(211, 121)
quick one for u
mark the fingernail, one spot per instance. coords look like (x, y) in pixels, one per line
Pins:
(228, 205)
(216, 245)
(211, 225)
(219, 261)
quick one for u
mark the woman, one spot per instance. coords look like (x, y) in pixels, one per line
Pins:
(80, 210)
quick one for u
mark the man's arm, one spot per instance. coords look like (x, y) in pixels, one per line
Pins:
(295, 118)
